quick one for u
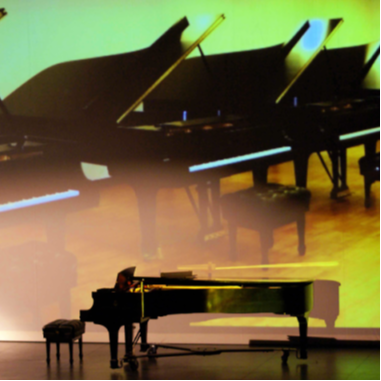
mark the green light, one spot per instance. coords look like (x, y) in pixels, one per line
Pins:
(372, 79)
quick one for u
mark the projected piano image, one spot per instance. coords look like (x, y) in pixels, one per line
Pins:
(85, 110)
(42, 168)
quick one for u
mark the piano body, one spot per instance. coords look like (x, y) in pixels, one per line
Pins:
(152, 298)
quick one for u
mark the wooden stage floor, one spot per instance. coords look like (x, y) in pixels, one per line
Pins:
(26, 361)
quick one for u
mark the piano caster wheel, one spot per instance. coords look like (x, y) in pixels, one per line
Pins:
(133, 363)
(152, 350)
(285, 356)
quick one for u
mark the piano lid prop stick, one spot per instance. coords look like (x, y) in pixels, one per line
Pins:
(142, 295)
(187, 51)
(208, 266)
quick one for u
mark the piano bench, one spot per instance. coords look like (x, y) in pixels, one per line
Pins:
(370, 169)
(63, 331)
(264, 208)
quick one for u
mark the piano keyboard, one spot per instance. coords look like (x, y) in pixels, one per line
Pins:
(237, 159)
(359, 133)
(38, 200)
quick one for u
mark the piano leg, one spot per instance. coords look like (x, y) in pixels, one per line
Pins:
(303, 328)
(113, 330)
(129, 338)
(260, 174)
(146, 198)
(143, 336)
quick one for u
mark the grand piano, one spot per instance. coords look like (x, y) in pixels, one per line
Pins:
(139, 299)
(87, 111)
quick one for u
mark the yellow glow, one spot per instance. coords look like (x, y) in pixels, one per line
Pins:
(285, 321)
(372, 79)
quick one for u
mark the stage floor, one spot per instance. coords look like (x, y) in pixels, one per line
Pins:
(27, 361)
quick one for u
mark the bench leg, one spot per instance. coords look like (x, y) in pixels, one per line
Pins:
(80, 348)
(58, 350)
(232, 241)
(367, 186)
(71, 351)
(48, 351)
(303, 328)
(301, 223)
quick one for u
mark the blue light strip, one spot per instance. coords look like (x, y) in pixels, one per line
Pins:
(38, 200)
(359, 133)
(237, 159)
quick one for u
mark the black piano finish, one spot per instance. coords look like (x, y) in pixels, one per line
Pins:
(116, 309)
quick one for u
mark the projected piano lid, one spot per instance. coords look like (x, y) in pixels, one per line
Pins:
(2, 13)
(168, 52)
(314, 40)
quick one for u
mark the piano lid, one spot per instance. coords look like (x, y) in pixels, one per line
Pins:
(105, 89)
(2, 106)
(186, 48)
(333, 25)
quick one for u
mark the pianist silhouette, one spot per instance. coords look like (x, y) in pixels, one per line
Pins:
(124, 280)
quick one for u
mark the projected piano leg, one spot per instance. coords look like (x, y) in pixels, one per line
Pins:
(301, 169)
(343, 169)
(55, 227)
(303, 328)
(334, 155)
(146, 198)
(260, 174)
(209, 201)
